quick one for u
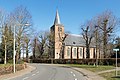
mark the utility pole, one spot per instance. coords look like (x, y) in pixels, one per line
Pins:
(96, 34)
(14, 52)
(5, 52)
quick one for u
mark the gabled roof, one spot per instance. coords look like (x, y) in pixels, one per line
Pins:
(76, 40)
(57, 18)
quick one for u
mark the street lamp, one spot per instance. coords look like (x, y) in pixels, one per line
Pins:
(14, 51)
(116, 60)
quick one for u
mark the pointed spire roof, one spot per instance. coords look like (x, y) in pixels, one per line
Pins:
(57, 18)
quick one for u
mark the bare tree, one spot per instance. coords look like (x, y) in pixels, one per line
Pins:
(88, 34)
(51, 47)
(107, 23)
(27, 44)
(21, 17)
(43, 42)
(36, 47)
(3, 29)
(2, 19)
(7, 42)
(34, 43)
(5, 37)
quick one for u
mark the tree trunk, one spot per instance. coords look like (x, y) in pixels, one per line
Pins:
(105, 39)
(87, 50)
(33, 53)
(18, 52)
(27, 53)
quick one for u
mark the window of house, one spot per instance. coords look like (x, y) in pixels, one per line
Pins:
(80, 51)
(75, 52)
(68, 52)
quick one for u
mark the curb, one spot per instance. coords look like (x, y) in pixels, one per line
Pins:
(91, 76)
(85, 74)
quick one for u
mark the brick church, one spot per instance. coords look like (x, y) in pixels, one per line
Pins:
(69, 46)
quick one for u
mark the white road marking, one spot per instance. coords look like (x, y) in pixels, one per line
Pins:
(71, 72)
(74, 75)
(75, 78)
(25, 78)
(38, 72)
(33, 74)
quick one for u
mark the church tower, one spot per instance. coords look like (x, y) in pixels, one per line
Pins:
(58, 30)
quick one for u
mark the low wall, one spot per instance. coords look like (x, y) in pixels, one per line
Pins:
(9, 69)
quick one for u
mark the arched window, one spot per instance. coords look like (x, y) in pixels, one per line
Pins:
(80, 51)
(68, 51)
(75, 52)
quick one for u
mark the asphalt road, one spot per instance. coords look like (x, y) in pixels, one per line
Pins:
(51, 72)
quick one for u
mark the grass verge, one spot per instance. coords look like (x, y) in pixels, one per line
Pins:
(107, 76)
(92, 68)
(111, 75)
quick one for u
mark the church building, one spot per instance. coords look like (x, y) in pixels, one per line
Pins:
(69, 46)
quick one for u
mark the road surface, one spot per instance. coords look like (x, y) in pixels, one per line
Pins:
(51, 72)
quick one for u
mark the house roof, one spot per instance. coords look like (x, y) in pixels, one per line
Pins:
(76, 40)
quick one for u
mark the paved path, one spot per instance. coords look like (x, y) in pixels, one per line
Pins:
(88, 74)
(118, 69)
(51, 72)
(54, 72)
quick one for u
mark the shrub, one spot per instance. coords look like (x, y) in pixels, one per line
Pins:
(9, 68)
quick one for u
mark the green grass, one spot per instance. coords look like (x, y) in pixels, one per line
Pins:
(92, 68)
(111, 75)
(108, 75)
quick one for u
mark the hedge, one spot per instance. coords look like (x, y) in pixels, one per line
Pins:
(9, 69)
(103, 61)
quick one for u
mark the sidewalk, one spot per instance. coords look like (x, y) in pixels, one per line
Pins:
(18, 73)
(118, 69)
(88, 74)
(93, 75)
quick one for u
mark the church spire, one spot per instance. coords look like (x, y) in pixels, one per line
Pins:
(57, 18)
